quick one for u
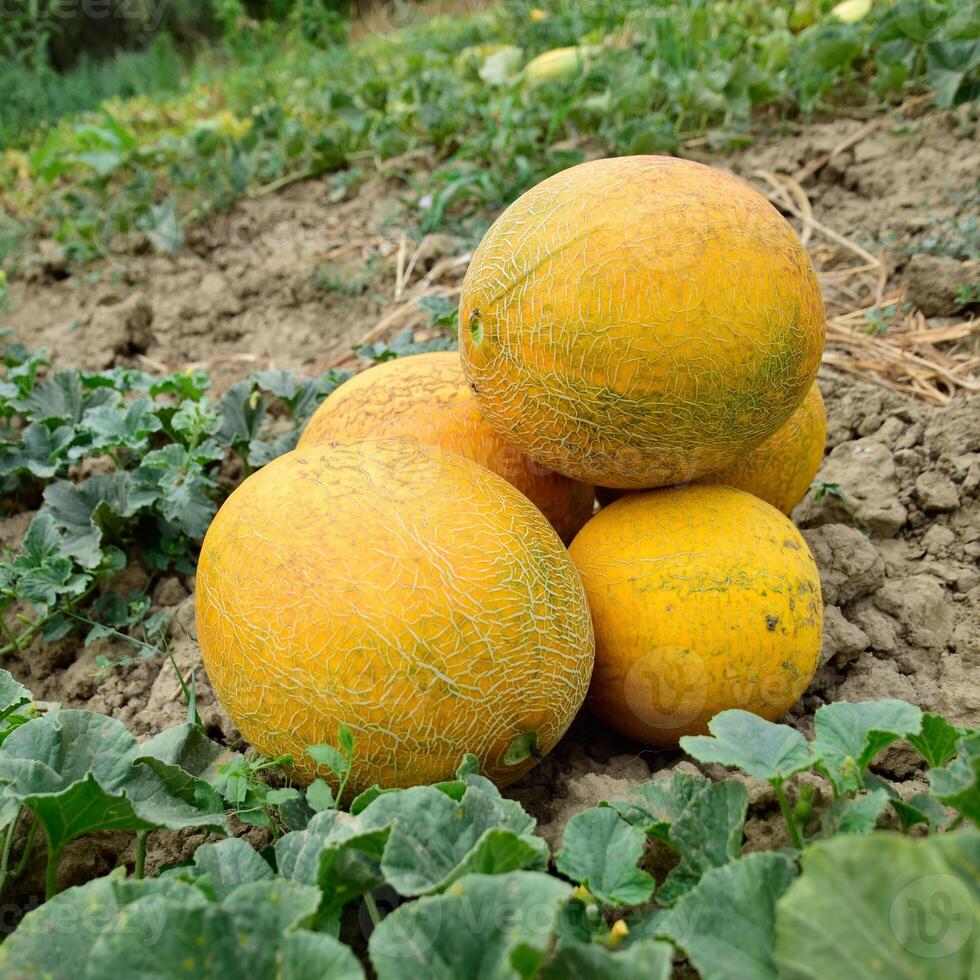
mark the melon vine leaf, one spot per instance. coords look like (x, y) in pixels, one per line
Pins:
(42, 452)
(854, 816)
(958, 784)
(920, 809)
(177, 483)
(723, 946)
(600, 851)
(936, 741)
(13, 695)
(480, 919)
(895, 907)
(218, 869)
(643, 960)
(42, 946)
(435, 839)
(849, 736)
(653, 806)
(79, 772)
(307, 954)
(122, 426)
(707, 834)
(756, 746)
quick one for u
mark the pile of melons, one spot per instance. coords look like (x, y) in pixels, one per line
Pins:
(644, 325)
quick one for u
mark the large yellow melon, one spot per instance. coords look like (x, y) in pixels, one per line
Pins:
(640, 321)
(426, 398)
(781, 469)
(703, 598)
(402, 590)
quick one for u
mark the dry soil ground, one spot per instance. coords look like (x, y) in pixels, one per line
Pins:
(292, 280)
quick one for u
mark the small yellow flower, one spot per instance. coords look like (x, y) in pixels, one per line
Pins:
(538, 15)
(618, 933)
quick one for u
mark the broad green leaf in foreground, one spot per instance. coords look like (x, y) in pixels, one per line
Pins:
(708, 834)
(600, 850)
(644, 960)
(164, 927)
(860, 731)
(758, 747)
(80, 772)
(489, 920)
(313, 954)
(958, 784)
(42, 947)
(654, 806)
(222, 867)
(725, 923)
(883, 905)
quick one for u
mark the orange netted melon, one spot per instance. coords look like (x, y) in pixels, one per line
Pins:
(703, 598)
(426, 398)
(402, 590)
(781, 469)
(640, 321)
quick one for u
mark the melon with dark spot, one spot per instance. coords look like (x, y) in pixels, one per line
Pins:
(703, 598)
(640, 321)
(402, 590)
(426, 398)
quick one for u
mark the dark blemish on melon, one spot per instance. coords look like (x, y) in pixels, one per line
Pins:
(771, 623)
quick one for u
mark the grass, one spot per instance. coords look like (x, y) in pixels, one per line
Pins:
(452, 92)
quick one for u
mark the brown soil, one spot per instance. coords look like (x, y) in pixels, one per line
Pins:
(264, 286)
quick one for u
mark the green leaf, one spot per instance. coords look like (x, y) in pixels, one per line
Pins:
(85, 511)
(480, 920)
(42, 452)
(654, 806)
(12, 694)
(643, 960)
(122, 426)
(854, 816)
(333, 759)
(345, 738)
(229, 863)
(884, 905)
(859, 732)
(601, 851)
(80, 772)
(319, 795)
(177, 483)
(241, 416)
(313, 954)
(435, 839)
(335, 853)
(958, 784)
(707, 834)
(936, 742)
(921, 808)
(41, 946)
(725, 924)
(469, 766)
(758, 747)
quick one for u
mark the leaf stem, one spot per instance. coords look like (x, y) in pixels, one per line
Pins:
(791, 825)
(28, 848)
(142, 836)
(8, 843)
(51, 871)
(8, 632)
(372, 907)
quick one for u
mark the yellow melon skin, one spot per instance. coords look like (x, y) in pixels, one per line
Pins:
(402, 590)
(640, 321)
(780, 470)
(703, 598)
(426, 398)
